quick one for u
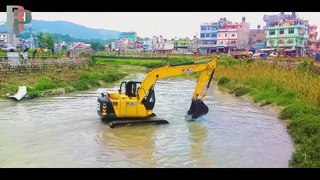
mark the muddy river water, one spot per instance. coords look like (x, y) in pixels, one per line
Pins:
(65, 131)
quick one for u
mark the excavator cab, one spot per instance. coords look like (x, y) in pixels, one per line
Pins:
(131, 88)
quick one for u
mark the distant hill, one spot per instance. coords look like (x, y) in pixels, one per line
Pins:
(72, 29)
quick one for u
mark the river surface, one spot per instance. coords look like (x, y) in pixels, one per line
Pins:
(65, 131)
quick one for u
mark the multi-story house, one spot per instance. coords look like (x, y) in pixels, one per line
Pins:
(208, 36)
(182, 45)
(288, 33)
(233, 36)
(312, 42)
(257, 39)
(194, 44)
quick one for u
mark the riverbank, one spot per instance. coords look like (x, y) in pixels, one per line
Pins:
(294, 90)
(61, 78)
(57, 81)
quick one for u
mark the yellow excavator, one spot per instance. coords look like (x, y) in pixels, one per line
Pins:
(135, 104)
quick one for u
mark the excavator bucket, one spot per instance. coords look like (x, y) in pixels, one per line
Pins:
(198, 108)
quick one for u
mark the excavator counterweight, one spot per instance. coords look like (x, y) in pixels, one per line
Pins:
(135, 105)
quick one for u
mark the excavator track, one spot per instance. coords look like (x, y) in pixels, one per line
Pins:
(114, 123)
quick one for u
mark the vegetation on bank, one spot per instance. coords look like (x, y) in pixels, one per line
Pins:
(296, 90)
(40, 83)
(149, 63)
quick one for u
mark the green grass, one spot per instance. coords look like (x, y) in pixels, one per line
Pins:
(297, 91)
(3, 53)
(149, 63)
(45, 83)
(134, 62)
(86, 81)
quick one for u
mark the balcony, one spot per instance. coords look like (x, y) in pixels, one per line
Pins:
(313, 40)
(207, 45)
(208, 38)
(314, 33)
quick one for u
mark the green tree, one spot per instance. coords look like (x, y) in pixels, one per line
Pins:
(49, 41)
(42, 41)
(46, 40)
(98, 46)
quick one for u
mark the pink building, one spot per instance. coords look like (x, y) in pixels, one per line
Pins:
(81, 45)
(233, 36)
(312, 42)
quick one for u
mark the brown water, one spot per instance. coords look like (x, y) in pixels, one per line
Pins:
(66, 132)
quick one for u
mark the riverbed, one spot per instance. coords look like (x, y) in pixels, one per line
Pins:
(65, 131)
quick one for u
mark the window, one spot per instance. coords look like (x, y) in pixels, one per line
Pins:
(220, 42)
(291, 30)
(214, 42)
(233, 42)
(203, 28)
(281, 31)
(202, 35)
(290, 41)
(271, 42)
(212, 28)
(233, 35)
(280, 41)
(214, 35)
(272, 32)
(225, 35)
(207, 35)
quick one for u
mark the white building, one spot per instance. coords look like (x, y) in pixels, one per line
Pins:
(8, 38)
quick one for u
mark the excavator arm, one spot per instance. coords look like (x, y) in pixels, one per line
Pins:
(205, 77)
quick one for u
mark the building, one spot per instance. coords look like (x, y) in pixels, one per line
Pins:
(129, 35)
(8, 38)
(125, 44)
(82, 46)
(287, 33)
(147, 45)
(195, 44)
(161, 45)
(257, 39)
(182, 45)
(138, 46)
(208, 36)
(233, 36)
(312, 42)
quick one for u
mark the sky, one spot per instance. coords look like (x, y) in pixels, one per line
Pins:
(167, 24)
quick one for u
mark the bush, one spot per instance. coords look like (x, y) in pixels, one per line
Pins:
(223, 80)
(304, 126)
(240, 91)
(69, 89)
(80, 85)
(32, 93)
(45, 83)
(307, 155)
(295, 109)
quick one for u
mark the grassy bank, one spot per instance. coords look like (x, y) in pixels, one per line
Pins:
(297, 91)
(101, 70)
(149, 63)
(134, 62)
(44, 83)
